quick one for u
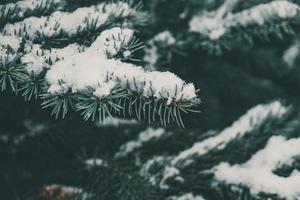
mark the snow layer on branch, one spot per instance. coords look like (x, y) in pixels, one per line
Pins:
(94, 162)
(54, 54)
(92, 69)
(144, 137)
(104, 89)
(214, 26)
(291, 54)
(118, 9)
(164, 39)
(37, 59)
(34, 64)
(257, 173)
(170, 173)
(153, 169)
(57, 22)
(115, 122)
(24, 6)
(252, 120)
(110, 42)
(70, 23)
(188, 196)
(11, 42)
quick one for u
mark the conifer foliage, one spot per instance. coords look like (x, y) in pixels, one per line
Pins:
(78, 60)
(116, 64)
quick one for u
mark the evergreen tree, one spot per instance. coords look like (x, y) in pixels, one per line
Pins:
(117, 64)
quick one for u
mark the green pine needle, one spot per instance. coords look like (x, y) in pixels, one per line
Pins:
(11, 72)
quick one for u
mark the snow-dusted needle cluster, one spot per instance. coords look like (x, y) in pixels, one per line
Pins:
(70, 23)
(252, 120)
(93, 69)
(257, 173)
(91, 77)
(214, 25)
(144, 137)
(9, 43)
(163, 40)
(188, 196)
(16, 11)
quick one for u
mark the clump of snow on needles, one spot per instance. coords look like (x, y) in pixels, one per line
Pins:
(215, 26)
(144, 137)
(188, 196)
(92, 69)
(12, 42)
(246, 124)
(26, 6)
(257, 173)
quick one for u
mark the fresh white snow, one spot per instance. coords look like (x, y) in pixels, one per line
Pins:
(291, 54)
(246, 124)
(26, 6)
(165, 39)
(69, 23)
(144, 137)
(92, 69)
(12, 42)
(37, 59)
(215, 26)
(188, 196)
(111, 41)
(257, 173)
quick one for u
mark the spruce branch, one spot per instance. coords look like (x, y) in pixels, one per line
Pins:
(159, 49)
(291, 55)
(124, 88)
(68, 27)
(94, 80)
(283, 151)
(215, 28)
(255, 119)
(11, 73)
(13, 12)
(260, 120)
(187, 196)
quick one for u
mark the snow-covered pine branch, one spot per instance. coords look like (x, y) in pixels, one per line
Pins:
(262, 20)
(291, 54)
(63, 26)
(120, 84)
(256, 119)
(279, 151)
(158, 50)
(188, 196)
(144, 137)
(93, 80)
(13, 12)
(253, 120)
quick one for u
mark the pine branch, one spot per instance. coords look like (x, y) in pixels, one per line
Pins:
(144, 137)
(282, 151)
(217, 29)
(255, 119)
(291, 54)
(71, 78)
(262, 120)
(11, 73)
(123, 87)
(13, 12)
(159, 49)
(77, 26)
(188, 196)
